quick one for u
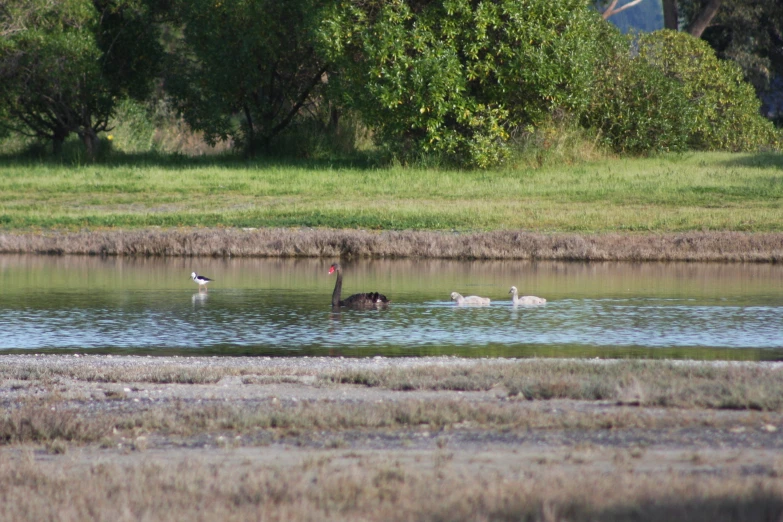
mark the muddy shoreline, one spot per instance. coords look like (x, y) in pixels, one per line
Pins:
(301, 242)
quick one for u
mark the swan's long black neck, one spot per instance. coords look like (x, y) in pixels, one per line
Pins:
(338, 289)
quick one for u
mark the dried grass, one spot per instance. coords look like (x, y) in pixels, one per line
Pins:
(122, 460)
(368, 489)
(148, 372)
(308, 420)
(643, 383)
(686, 246)
(313, 421)
(678, 384)
(50, 421)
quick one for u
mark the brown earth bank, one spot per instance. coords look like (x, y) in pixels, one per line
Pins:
(685, 246)
(88, 437)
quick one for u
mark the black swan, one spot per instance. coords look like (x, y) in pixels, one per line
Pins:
(356, 300)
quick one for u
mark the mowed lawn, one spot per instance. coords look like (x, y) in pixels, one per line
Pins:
(704, 191)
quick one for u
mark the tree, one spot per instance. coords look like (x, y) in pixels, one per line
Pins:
(247, 67)
(702, 16)
(55, 67)
(454, 77)
(671, 19)
(702, 12)
(128, 35)
(747, 32)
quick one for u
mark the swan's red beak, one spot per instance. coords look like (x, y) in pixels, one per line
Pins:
(331, 270)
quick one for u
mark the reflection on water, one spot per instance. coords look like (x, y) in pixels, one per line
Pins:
(199, 299)
(279, 306)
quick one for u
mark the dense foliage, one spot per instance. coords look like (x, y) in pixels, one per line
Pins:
(747, 32)
(726, 115)
(667, 91)
(453, 80)
(636, 108)
(452, 77)
(64, 65)
(254, 59)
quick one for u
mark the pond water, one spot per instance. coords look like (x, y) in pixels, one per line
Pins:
(79, 304)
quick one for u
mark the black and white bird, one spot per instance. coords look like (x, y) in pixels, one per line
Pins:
(201, 280)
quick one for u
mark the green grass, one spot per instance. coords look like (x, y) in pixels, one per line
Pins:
(705, 191)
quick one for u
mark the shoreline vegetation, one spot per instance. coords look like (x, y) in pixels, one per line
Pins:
(441, 438)
(330, 243)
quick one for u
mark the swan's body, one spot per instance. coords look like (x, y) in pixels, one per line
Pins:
(469, 300)
(370, 299)
(525, 299)
(201, 280)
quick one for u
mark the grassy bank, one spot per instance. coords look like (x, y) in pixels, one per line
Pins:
(695, 192)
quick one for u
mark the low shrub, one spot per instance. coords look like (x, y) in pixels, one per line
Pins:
(133, 128)
(667, 91)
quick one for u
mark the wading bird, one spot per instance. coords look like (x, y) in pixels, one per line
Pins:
(201, 280)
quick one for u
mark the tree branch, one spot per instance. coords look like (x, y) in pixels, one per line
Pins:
(316, 79)
(613, 10)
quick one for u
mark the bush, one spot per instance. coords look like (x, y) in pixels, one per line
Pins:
(666, 91)
(635, 107)
(726, 110)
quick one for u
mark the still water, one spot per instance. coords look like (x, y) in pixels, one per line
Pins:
(281, 307)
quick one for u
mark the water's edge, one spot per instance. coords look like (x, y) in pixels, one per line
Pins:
(305, 365)
(307, 242)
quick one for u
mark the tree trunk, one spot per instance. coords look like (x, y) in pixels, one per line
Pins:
(703, 19)
(670, 17)
(90, 139)
(334, 119)
(58, 139)
(250, 137)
